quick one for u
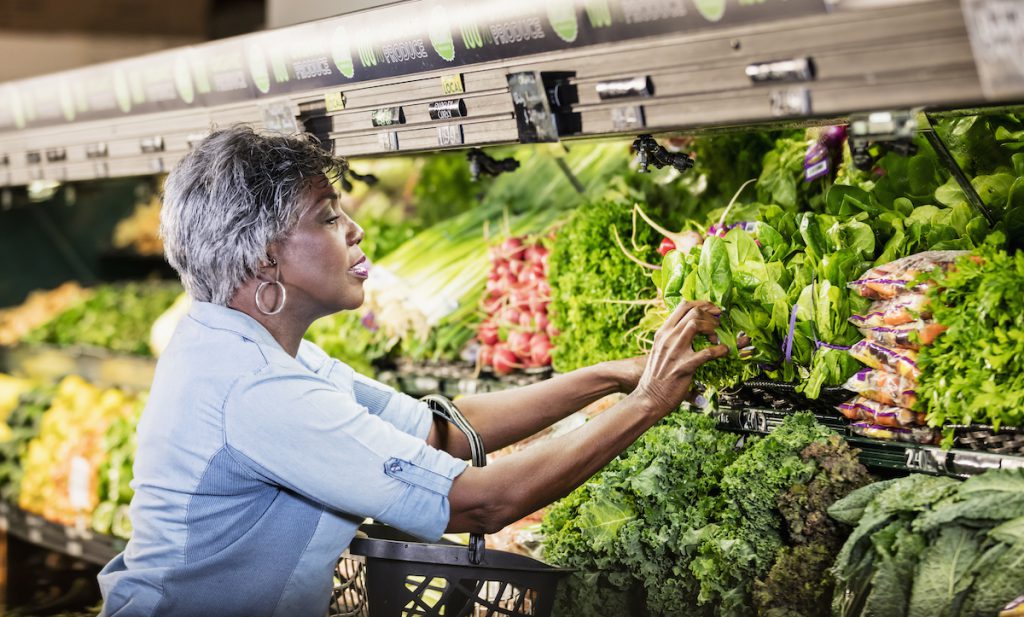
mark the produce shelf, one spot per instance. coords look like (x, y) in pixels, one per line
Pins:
(876, 453)
(81, 543)
(99, 366)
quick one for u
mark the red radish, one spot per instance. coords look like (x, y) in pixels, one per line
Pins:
(488, 333)
(493, 288)
(492, 305)
(510, 315)
(486, 355)
(504, 361)
(538, 304)
(519, 343)
(666, 245)
(519, 298)
(541, 319)
(551, 331)
(512, 248)
(544, 289)
(540, 350)
(526, 321)
(516, 267)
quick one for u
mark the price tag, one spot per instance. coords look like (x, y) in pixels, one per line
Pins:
(150, 145)
(388, 116)
(790, 102)
(388, 141)
(157, 164)
(452, 84)
(626, 118)
(80, 484)
(925, 460)
(996, 31)
(97, 151)
(450, 135)
(624, 88)
(754, 420)
(446, 110)
(101, 169)
(280, 118)
(533, 110)
(73, 548)
(334, 101)
(35, 536)
(33, 158)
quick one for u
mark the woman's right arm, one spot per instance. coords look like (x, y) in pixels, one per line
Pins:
(484, 500)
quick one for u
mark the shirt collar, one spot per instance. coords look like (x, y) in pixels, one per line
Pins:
(225, 318)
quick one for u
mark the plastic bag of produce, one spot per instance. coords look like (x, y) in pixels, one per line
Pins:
(861, 408)
(897, 311)
(893, 359)
(920, 435)
(911, 335)
(891, 279)
(884, 387)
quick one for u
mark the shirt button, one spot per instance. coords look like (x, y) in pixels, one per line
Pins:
(395, 468)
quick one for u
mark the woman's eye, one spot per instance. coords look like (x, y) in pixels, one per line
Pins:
(332, 221)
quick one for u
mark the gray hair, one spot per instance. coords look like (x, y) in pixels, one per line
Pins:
(233, 195)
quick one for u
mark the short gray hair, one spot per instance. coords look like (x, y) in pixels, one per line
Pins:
(233, 195)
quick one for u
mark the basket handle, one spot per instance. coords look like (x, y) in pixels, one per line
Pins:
(443, 407)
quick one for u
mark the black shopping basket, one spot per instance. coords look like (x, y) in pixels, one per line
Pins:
(390, 574)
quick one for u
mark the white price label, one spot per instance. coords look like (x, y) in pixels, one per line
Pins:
(996, 31)
(280, 118)
(80, 484)
(449, 135)
(388, 141)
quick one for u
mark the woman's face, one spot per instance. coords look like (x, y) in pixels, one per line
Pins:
(321, 262)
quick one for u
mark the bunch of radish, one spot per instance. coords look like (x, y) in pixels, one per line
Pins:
(516, 333)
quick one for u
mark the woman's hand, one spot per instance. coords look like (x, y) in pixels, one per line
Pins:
(668, 373)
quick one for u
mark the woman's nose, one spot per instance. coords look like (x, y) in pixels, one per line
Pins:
(357, 234)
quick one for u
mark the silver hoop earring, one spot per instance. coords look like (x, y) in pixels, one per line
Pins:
(280, 307)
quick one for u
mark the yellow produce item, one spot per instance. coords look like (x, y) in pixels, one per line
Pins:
(11, 389)
(62, 463)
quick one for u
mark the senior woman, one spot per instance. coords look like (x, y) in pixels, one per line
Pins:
(259, 455)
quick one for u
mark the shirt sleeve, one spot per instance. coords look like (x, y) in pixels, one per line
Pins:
(399, 409)
(299, 432)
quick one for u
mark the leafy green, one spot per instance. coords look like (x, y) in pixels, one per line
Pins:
(974, 372)
(116, 317)
(633, 527)
(933, 546)
(593, 281)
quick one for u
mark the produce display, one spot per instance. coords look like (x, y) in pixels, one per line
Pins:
(688, 523)
(140, 232)
(61, 463)
(973, 373)
(115, 474)
(516, 332)
(39, 308)
(423, 297)
(21, 425)
(889, 282)
(115, 317)
(928, 545)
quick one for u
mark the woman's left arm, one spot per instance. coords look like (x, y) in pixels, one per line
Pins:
(505, 417)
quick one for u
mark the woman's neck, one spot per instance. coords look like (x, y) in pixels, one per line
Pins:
(287, 327)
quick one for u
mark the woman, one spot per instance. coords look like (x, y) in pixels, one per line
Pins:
(259, 456)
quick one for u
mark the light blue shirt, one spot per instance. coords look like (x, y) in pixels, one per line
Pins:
(254, 470)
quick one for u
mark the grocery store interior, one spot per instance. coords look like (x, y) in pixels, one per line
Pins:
(541, 185)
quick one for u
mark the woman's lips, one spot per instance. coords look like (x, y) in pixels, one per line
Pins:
(361, 269)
